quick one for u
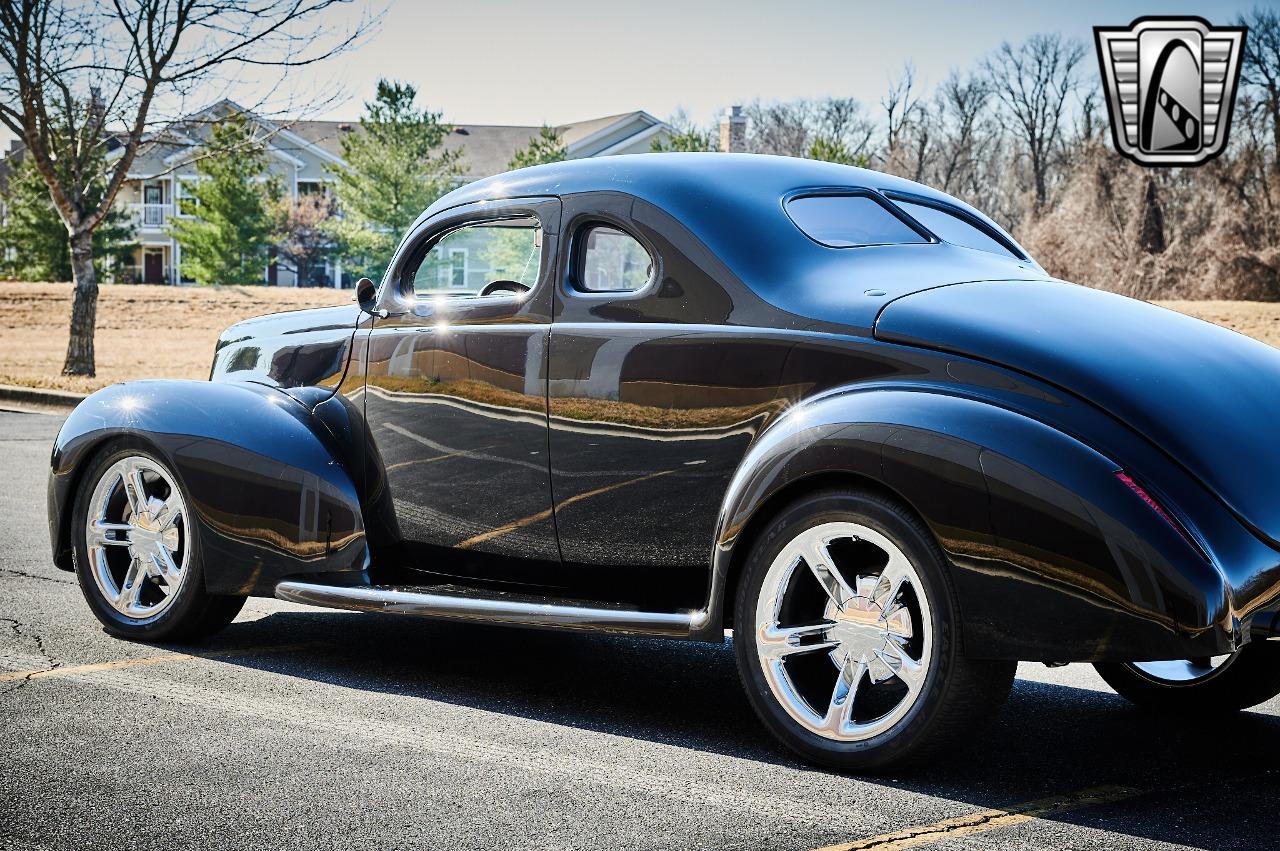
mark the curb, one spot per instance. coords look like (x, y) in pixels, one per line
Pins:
(41, 397)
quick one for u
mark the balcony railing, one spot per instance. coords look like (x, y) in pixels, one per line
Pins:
(150, 216)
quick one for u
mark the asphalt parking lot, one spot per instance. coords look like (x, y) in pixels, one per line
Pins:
(303, 728)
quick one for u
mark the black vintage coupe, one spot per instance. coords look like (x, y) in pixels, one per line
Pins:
(840, 413)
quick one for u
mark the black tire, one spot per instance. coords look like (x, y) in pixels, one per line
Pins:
(194, 613)
(958, 694)
(1248, 677)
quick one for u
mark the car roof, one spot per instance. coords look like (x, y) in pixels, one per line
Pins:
(734, 203)
(680, 181)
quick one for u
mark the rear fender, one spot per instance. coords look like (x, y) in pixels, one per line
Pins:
(272, 492)
(1052, 558)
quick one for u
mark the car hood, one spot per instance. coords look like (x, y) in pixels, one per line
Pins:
(303, 352)
(1208, 396)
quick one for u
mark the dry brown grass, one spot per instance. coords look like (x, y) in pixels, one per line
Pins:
(169, 332)
(1258, 319)
(143, 331)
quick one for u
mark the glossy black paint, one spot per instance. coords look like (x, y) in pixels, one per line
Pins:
(1052, 560)
(297, 351)
(272, 490)
(626, 447)
(652, 394)
(455, 399)
(1206, 394)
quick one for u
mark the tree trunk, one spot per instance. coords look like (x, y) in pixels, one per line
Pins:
(84, 309)
(1275, 114)
(1151, 221)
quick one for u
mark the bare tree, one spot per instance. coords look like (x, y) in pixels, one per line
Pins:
(1261, 62)
(843, 121)
(1032, 82)
(303, 238)
(75, 76)
(1248, 173)
(1088, 122)
(792, 128)
(779, 128)
(961, 104)
(899, 103)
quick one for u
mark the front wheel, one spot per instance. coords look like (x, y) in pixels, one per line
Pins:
(848, 636)
(136, 551)
(1228, 683)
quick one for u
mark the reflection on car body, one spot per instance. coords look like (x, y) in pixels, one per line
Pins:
(841, 413)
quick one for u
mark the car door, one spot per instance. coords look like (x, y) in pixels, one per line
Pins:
(455, 393)
(656, 384)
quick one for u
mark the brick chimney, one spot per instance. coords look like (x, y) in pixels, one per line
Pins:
(733, 131)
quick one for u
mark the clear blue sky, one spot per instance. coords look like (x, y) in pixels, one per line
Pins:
(501, 61)
(554, 61)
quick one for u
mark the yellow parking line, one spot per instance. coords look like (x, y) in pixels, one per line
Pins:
(423, 460)
(428, 460)
(508, 528)
(117, 664)
(988, 820)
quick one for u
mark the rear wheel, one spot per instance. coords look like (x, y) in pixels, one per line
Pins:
(848, 638)
(136, 554)
(1228, 683)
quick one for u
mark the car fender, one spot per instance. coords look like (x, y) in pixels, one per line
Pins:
(273, 493)
(1051, 557)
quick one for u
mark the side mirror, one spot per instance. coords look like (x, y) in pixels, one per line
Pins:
(367, 297)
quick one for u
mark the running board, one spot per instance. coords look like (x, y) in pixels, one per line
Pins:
(489, 607)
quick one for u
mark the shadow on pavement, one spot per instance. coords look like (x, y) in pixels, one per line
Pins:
(1049, 740)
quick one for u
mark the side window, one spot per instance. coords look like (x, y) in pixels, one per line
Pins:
(611, 260)
(849, 221)
(951, 228)
(464, 261)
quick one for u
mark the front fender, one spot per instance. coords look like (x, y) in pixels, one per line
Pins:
(1052, 558)
(272, 492)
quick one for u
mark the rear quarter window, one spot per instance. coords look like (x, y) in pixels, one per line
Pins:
(613, 261)
(950, 227)
(848, 221)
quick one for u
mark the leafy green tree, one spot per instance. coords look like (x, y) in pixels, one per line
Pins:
(512, 254)
(395, 169)
(33, 238)
(835, 151)
(227, 240)
(546, 147)
(689, 140)
(686, 136)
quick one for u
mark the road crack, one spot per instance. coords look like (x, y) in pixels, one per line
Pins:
(59, 580)
(22, 634)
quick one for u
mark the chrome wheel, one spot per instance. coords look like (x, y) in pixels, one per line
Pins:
(1208, 684)
(1178, 672)
(844, 631)
(136, 536)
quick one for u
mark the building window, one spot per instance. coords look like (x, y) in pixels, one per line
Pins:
(312, 187)
(454, 273)
(186, 202)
